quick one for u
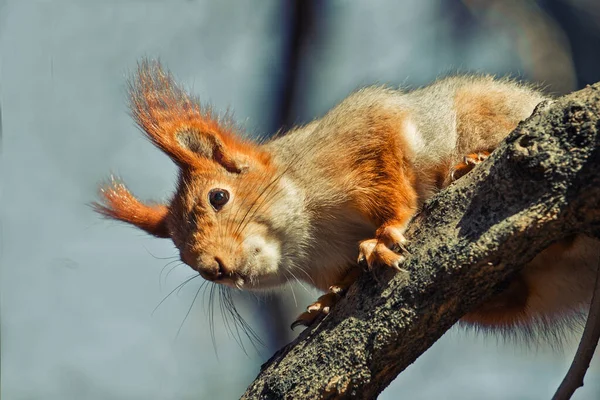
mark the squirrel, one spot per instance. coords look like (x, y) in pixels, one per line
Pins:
(325, 198)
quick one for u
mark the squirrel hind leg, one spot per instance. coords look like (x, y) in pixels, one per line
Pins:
(507, 308)
(547, 298)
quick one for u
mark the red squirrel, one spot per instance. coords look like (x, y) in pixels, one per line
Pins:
(317, 202)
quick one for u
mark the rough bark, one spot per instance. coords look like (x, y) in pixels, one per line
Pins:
(542, 184)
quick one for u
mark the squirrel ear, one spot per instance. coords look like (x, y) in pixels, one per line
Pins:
(118, 203)
(176, 123)
(209, 146)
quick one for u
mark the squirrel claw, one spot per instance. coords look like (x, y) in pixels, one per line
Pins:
(320, 308)
(303, 320)
(388, 248)
(469, 162)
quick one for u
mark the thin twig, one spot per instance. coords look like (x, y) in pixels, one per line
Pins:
(587, 346)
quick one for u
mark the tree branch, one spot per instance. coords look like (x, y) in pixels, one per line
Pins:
(542, 184)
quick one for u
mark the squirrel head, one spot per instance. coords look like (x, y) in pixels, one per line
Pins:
(229, 216)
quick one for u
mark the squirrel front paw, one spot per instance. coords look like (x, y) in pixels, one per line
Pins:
(321, 307)
(469, 162)
(388, 248)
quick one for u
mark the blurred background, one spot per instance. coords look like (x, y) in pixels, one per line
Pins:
(78, 293)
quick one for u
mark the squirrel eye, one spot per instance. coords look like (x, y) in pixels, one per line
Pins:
(218, 198)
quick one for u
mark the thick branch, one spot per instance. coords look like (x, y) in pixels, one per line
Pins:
(542, 184)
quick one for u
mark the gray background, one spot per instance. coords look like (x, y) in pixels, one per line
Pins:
(77, 292)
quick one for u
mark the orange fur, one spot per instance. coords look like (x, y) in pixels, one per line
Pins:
(379, 173)
(169, 116)
(121, 205)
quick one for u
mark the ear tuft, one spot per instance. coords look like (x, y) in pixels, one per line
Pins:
(118, 203)
(177, 124)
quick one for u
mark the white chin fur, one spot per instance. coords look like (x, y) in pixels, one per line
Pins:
(263, 258)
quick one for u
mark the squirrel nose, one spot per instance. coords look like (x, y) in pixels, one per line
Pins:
(216, 271)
